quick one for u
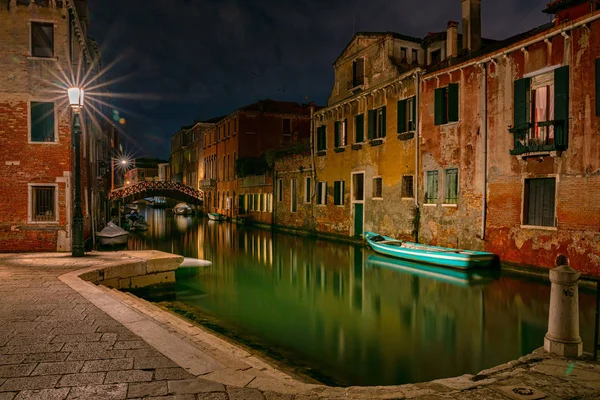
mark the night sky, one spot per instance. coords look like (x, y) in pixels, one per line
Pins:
(197, 59)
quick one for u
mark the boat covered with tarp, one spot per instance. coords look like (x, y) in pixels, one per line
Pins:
(112, 235)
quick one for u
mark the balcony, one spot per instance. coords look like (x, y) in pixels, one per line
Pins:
(356, 85)
(539, 137)
(255, 180)
(208, 183)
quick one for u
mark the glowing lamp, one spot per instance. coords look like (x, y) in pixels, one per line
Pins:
(75, 97)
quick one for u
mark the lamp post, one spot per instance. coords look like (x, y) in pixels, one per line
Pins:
(76, 102)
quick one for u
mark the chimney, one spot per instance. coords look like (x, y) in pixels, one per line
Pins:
(471, 21)
(452, 39)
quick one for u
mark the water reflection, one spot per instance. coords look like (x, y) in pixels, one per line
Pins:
(347, 316)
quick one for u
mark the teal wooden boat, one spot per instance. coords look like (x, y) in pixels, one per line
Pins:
(423, 253)
(458, 277)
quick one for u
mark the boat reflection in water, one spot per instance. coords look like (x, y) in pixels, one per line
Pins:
(343, 315)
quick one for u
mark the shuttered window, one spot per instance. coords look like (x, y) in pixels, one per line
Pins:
(451, 186)
(322, 193)
(322, 138)
(307, 189)
(358, 72)
(407, 115)
(377, 123)
(42, 122)
(280, 190)
(359, 128)
(432, 187)
(294, 195)
(340, 133)
(378, 188)
(446, 104)
(539, 202)
(561, 107)
(338, 193)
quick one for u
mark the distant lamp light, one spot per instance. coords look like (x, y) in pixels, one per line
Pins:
(75, 98)
(123, 162)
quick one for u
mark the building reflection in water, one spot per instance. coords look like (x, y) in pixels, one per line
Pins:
(342, 316)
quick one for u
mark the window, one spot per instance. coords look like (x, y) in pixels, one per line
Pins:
(415, 56)
(42, 200)
(42, 122)
(294, 200)
(446, 104)
(541, 112)
(403, 52)
(307, 189)
(287, 126)
(539, 202)
(407, 115)
(451, 186)
(234, 125)
(358, 182)
(42, 39)
(358, 72)
(322, 193)
(322, 138)
(377, 123)
(280, 190)
(338, 192)
(234, 162)
(436, 56)
(359, 128)
(340, 133)
(407, 186)
(256, 203)
(432, 187)
(378, 188)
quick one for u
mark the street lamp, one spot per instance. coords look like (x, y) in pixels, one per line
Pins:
(76, 102)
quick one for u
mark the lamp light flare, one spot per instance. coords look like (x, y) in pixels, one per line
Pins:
(75, 97)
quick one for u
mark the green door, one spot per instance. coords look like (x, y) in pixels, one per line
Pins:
(358, 219)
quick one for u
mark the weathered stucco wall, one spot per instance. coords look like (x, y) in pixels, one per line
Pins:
(577, 170)
(287, 168)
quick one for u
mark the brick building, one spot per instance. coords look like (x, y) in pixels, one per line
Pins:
(38, 39)
(237, 178)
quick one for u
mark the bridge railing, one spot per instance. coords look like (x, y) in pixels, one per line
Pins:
(156, 186)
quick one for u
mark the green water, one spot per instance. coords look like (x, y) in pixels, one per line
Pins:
(337, 313)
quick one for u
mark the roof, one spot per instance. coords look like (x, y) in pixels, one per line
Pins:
(213, 120)
(558, 5)
(378, 35)
(278, 107)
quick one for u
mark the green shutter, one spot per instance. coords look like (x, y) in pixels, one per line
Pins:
(359, 121)
(342, 192)
(439, 106)
(453, 102)
(336, 129)
(401, 116)
(336, 193)
(371, 122)
(383, 122)
(414, 113)
(561, 107)
(521, 102)
(598, 87)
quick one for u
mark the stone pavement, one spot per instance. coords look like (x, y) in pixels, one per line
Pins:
(63, 338)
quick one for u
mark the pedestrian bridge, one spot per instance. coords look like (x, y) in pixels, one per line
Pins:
(173, 190)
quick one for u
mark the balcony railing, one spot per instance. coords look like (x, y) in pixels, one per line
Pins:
(542, 136)
(208, 183)
(256, 180)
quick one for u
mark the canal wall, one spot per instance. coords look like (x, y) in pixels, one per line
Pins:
(146, 268)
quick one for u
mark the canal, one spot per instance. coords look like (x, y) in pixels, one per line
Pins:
(340, 314)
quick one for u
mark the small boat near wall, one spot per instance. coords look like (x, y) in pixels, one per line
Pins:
(112, 235)
(216, 217)
(423, 253)
(182, 209)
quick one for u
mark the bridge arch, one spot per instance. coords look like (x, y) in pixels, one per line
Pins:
(173, 190)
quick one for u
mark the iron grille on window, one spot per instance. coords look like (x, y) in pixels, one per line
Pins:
(43, 203)
(407, 186)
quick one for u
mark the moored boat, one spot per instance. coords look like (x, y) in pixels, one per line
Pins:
(182, 209)
(423, 253)
(217, 216)
(112, 235)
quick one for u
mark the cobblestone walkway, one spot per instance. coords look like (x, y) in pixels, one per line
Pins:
(55, 344)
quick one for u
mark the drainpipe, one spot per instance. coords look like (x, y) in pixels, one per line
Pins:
(417, 138)
(484, 132)
(312, 160)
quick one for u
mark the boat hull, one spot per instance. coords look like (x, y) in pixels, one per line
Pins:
(112, 240)
(454, 258)
(216, 217)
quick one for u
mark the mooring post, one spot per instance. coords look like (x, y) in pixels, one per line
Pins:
(563, 321)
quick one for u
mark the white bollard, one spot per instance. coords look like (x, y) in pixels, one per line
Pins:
(563, 322)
